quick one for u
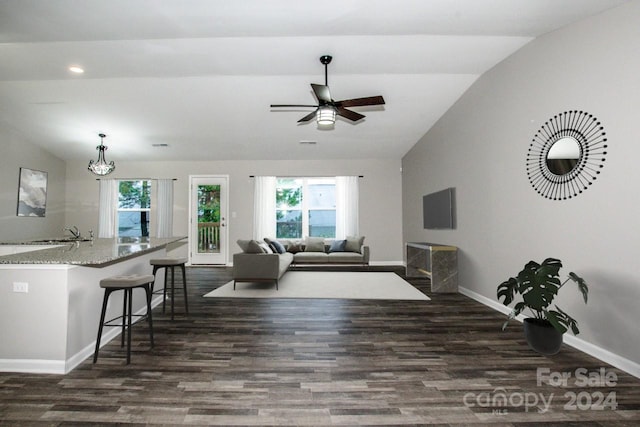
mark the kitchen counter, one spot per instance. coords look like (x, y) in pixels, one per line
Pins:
(92, 253)
(50, 297)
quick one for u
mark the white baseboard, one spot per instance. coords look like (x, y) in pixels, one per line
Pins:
(32, 366)
(228, 264)
(384, 263)
(600, 353)
(60, 367)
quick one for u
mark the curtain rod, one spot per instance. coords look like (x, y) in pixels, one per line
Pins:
(137, 179)
(305, 176)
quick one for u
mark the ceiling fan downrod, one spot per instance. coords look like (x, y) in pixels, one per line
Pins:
(326, 60)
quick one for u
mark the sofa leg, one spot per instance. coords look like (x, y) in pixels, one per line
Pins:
(234, 285)
(276, 284)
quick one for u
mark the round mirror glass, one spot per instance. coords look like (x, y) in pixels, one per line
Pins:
(563, 155)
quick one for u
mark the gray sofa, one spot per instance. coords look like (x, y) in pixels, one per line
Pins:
(260, 267)
(268, 261)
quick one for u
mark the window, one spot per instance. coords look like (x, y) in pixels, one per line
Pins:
(134, 207)
(288, 208)
(305, 207)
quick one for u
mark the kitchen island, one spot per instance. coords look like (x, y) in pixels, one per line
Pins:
(50, 298)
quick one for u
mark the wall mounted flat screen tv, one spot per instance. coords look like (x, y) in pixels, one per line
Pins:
(438, 209)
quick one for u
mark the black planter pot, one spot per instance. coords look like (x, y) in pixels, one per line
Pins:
(542, 336)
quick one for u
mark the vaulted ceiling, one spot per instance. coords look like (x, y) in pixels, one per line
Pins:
(200, 75)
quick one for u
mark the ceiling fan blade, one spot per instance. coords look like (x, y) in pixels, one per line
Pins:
(291, 105)
(360, 102)
(308, 117)
(322, 93)
(348, 114)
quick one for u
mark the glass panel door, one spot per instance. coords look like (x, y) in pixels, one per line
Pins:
(208, 233)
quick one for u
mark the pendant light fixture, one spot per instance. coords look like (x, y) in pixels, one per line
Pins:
(101, 167)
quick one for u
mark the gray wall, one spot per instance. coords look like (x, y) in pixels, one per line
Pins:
(380, 194)
(480, 147)
(17, 153)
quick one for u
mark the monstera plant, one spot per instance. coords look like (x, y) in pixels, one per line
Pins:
(538, 285)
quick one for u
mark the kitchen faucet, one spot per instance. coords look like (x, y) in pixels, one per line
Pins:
(73, 230)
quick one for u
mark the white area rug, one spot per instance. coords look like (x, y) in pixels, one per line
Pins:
(325, 284)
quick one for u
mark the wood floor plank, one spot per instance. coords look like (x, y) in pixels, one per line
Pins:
(319, 362)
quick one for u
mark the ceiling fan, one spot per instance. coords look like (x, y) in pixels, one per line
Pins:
(326, 110)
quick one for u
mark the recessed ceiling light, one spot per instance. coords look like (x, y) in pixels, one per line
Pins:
(76, 69)
(304, 142)
(160, 145)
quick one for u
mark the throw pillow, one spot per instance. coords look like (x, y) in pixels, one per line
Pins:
(294, 247)
(338, 246)
(314, 244)
(354, 243)
(265, 248)
(250, 246)
(279, 247)
(268, 242)
(244, 245)
(276, 246)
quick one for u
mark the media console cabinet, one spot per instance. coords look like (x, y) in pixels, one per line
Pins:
(437, 262)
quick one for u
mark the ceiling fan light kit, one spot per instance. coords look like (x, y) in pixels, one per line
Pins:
(326, 116)
(327, 109)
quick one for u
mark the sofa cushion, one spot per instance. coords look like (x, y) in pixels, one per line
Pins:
(347, 257)
(308, 257)
(337, 246)
(354, 244)
(250, 246)
(314, 244)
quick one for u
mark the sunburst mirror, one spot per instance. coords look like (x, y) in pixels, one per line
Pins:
(566, 155)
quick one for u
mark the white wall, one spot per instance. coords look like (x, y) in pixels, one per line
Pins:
(17, 153)
(480, 147)
(380, 194)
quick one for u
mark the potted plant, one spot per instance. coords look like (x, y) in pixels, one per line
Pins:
(538, 285)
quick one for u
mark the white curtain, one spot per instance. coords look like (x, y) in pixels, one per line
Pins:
(346, 206)
(264, 207)
(164, 213)
(108, 208)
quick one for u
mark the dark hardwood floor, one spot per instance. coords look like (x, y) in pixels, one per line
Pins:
(325, 362)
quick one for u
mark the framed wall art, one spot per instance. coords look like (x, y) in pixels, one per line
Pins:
(32, 193)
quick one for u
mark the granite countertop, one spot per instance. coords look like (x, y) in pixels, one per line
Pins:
(92, 253)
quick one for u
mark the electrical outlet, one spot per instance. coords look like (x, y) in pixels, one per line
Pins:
(21, 287)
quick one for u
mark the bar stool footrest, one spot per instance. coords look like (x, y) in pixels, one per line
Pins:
(139, 317)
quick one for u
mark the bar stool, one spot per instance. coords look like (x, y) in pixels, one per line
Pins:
(171, 263)
(126, 283)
